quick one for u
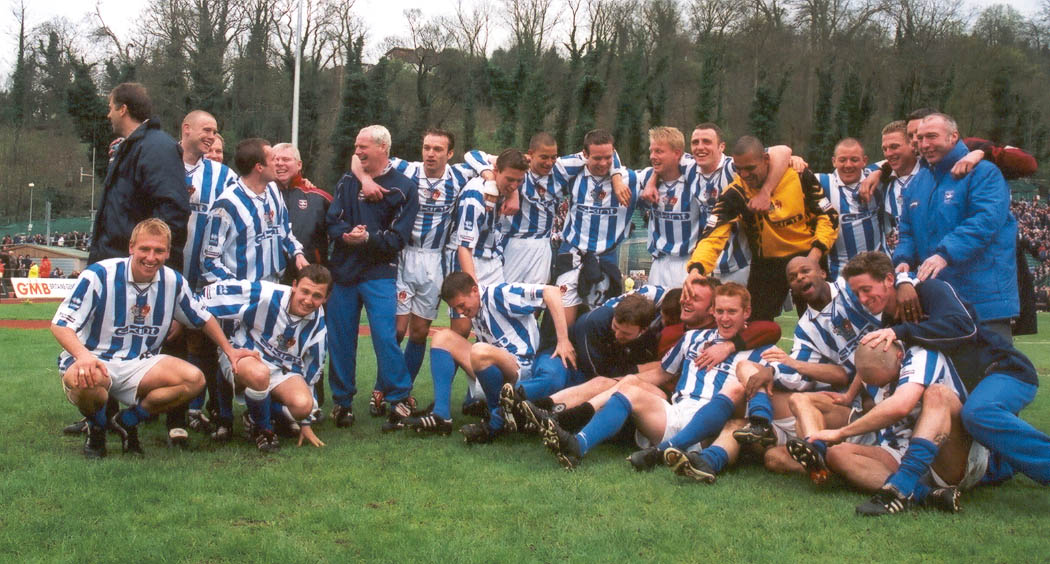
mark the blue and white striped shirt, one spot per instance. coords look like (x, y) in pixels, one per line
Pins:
(923, 367)
(249, 236)
(537, 208)
(297, 345)
(703, 384)
(205, 181)
(476, 222)
(895, 191)
(118, 319)
(736, 254)
(828, 336)
(506, 319)
(677, 218)
(437, 200)
(595, 222)
(859, 227)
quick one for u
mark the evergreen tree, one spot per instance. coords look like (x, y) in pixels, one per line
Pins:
(707, 88)
(353, 111)
(18, 106)
(630, 106)
(821, 136)
(854, 109)
(54, 79)
(589, 91)
(88, 110)
(762, 119)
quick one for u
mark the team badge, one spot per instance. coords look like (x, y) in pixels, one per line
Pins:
(436, 194)
(303, 204)
(190, 189)
(139, 312)
(269, 218)
(599, 194)
(402, 296)
(844, 329)
(285, 342)
(775, 205)
(949, 196)
(563, 288)
(541, 191)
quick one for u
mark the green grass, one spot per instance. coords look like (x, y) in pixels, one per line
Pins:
(369, 496)
(28, 310)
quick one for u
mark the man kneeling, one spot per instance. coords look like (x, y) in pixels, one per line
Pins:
(287, 326)
(918, 398)
(112, 327)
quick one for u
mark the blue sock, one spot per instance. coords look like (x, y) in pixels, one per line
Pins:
(225, 399)
(707, 421)
(414, 357)
(491, 380)
(760, 407)
(198, 402)
(276, 407)
(920, 492)
(133, 415)
(821, 447)
(716, 457)
(443, 370)
(605, 423)
(916, 462)
(259, 405)
(98, 419)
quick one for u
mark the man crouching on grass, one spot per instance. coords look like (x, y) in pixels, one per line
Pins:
(287, 326)
(112, 327)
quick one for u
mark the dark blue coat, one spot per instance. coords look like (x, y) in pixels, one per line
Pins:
(145, 179)
(388, 222)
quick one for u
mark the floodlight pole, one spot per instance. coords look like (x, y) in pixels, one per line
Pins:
(295, 85)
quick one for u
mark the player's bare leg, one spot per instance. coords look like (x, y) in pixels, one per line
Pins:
(171, 382)
(865, 467)
(295, 395)
(705, 465)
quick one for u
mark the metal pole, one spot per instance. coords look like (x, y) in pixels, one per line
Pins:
(295, 85)
(29, 228)
(92, 207)
(47, 222)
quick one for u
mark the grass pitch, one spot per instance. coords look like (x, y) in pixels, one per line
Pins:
(369, 496)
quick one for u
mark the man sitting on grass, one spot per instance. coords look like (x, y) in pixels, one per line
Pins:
(656, 419)
(287, 326)
(111, 329)
(502, 318)
(918, 400)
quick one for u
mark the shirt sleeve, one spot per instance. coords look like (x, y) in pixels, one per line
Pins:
(228, 300)
(728, 209)
(675, 358)
(471, 216)
(519, 299)
(189, 310)
(77, 309)
(819, 206)
(476, 162)
(219, 233)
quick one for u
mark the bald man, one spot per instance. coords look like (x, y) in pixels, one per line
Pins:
(860, 228)
(918, 400)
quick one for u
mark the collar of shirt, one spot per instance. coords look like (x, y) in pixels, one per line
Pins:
(131, 278)
(192, 168)
(914, 169)
(828, 309)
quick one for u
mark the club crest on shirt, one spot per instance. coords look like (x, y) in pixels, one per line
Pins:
(669, 201)
(269, 218)
(844, 328)
(436, 194)
(139, 312)
(190, 188)
(541, 191)
(302, 204)
(598, 194)
(285, 342)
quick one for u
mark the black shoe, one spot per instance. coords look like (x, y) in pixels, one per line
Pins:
(285, 427)
(265, 440)
(223, 430)
(646, 459)
(945, 499)
(689, 465)
(533, 417)
(810, 458)
(343, 416)
(399, 411)
(178, 438)
(479, 433)
(376, 405)
(756, 433)
(429, 424)
(886, 501)
(476, 408)
(562, 443)
(95, 443)
(198, 421)
(129, 436)
(76, 427)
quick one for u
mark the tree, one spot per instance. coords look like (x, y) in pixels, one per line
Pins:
(88, 111)
(854, 108)
(18, 106)
(353, 111)
(762, 119)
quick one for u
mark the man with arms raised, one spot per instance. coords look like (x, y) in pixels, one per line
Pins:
(111, 329)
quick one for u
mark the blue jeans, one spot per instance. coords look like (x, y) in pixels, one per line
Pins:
(549, 375)
(990, 416)
(343, 318)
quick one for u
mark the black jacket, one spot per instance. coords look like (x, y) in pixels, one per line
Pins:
(145, 179)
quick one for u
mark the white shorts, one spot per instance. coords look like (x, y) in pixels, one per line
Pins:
(527, 261)
(668, 271)
(419, 276)
(277, 374)
(678, 416)
(976, 467)
(785, 430)
(125, 376)
(489, 272)
(738, 276)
